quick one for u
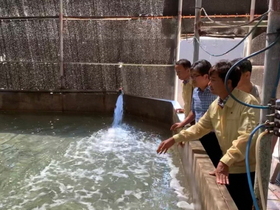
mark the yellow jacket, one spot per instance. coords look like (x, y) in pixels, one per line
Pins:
(232, 125)
(187, 97)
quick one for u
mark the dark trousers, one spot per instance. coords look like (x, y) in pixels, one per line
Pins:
(212, 147)
(239, 190)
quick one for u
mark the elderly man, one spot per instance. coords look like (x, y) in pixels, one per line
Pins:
(183, 71)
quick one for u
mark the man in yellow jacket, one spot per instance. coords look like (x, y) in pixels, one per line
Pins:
(232, 123)
(183, 71)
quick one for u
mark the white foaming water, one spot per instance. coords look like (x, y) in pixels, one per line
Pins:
(115, 168)
(118, 112)
(183, 197)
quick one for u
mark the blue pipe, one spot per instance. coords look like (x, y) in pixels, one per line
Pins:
(248, 165)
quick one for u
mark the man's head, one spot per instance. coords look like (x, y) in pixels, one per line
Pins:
(217, 78)
(182, 68)
(199, 73)
(245, 68)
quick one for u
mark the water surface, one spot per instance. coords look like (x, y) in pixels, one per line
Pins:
(51, 161)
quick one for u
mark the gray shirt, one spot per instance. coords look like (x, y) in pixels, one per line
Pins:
(255, 92)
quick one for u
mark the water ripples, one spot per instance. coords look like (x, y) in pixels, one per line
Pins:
(115, 168)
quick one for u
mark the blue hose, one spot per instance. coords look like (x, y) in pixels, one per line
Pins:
(248, 165)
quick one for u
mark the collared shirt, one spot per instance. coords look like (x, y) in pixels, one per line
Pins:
(232, 125)
(201, 101)
(187, 96)
(222, 102)
(185, 81)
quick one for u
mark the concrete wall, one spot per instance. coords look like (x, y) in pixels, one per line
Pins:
(150, 108)
(58, 101)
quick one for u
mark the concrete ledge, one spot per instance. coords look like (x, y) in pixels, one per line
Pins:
(207, 194)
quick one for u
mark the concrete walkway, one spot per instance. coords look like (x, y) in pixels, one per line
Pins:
(273, 199)
(273, 196)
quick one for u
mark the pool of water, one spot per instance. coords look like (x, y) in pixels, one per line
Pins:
(55, 161)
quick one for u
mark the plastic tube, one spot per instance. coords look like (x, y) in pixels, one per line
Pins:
(258, 171)
(248, 165)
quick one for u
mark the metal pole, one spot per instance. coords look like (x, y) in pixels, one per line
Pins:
(198, 4)
(62, 81)
(249, 41)
(178, 40)
(271, 62)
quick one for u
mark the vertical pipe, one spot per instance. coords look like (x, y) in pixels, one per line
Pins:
(198, 4)
(179, 23)
(249, 40)
(271, 62)
(178, 40)
(62, 82)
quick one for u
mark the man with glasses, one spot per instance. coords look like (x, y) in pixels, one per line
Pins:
(201, 100)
